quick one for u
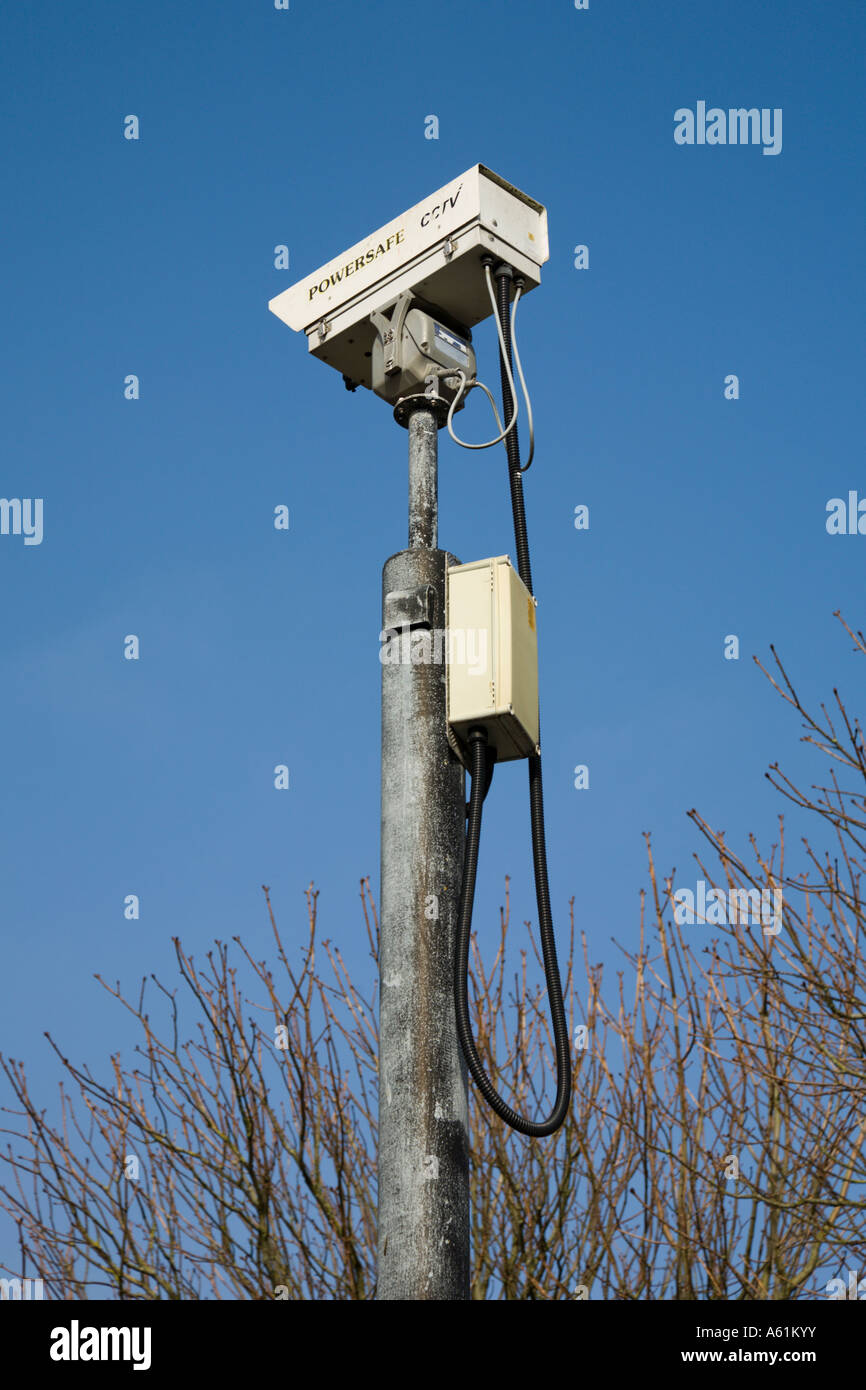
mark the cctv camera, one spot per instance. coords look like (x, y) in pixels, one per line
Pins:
(434, 253)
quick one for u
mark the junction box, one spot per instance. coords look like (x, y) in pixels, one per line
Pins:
(492, 657)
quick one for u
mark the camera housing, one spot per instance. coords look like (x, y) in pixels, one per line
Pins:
(434, 250)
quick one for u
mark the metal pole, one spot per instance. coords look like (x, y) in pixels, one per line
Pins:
(423, 1232)
(423, 479)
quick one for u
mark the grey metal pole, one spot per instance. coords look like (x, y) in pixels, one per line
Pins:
(423, 1235)
(423, 478)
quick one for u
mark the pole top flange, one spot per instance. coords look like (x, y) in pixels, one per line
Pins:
(407, 405)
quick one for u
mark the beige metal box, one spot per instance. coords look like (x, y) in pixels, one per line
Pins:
(493, 656)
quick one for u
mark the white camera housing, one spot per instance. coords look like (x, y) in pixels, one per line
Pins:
(435, 250)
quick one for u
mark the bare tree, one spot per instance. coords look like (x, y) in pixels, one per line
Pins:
(715, 1147)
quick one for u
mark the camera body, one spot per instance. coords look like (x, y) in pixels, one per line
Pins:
(412, 344)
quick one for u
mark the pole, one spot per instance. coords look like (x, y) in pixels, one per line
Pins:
(423, 1235)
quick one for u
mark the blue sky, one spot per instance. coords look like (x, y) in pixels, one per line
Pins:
(707, 516)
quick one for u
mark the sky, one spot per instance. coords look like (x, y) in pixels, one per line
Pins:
(155, 257)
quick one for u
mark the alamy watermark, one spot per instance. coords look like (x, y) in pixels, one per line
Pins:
(21, 1289)
(735, 126)
(77, 1343)
(855, 1287)
(846, 518)
(717, 908)
(22, 516)
(423, 646)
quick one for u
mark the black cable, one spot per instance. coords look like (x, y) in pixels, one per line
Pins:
(481, 772)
